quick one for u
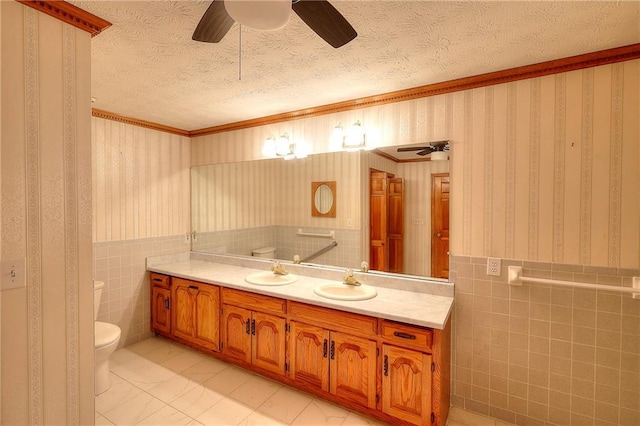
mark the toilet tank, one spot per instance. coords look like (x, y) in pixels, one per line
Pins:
(265, 252)
(97, 295)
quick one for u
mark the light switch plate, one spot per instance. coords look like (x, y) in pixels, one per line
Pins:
(12, 274)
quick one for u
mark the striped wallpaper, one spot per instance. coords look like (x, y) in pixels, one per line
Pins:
(544, 169)
(140, 182)
(47, 325)
(274, 192)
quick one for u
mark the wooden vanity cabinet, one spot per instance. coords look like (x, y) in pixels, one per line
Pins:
(251, 336)
(160, 304)
(394, 371)
(338, 362)
(196, 308)
(406, 384)
(415, 372)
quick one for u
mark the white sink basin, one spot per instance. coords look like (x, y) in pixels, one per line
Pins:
(339, 291)
(269, 278)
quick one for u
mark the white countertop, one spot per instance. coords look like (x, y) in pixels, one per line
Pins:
(410, 307)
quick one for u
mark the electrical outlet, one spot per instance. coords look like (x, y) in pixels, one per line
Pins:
(493, 266)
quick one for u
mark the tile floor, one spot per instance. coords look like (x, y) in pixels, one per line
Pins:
(158, 382)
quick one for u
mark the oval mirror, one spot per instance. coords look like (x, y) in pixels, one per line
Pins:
(323, 199)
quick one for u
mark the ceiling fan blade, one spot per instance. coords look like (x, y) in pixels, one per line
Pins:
(214, 24)
(416, 148)
(326, 21)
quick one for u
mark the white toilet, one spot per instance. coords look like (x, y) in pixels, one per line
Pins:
(265, 252)
(106, 338)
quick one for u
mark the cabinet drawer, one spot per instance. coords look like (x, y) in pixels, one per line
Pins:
(256, 302)
(159, 280)
(359, 325)
(407, 335)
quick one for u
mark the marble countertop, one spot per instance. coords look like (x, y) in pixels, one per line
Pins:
(427, 310)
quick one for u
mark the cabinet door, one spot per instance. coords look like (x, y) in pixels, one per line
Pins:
(268, 342)
(183, 324)
(353, 368)
(406, 384)
(308, 355)
(160, 310)
(207, 312)
(236, 332)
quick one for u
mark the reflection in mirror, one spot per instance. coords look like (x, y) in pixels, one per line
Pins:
(240, 207)
(323, 199)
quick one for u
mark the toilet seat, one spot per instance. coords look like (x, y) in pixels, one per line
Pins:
(105, 334)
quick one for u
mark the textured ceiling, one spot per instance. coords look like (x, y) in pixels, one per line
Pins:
(146, 65)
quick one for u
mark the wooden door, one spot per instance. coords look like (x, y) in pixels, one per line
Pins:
(268, 342)
(440, 225)
(236, 332)
(352, 368)
(207, 315)
(395, 225)
(160, 310)
(183, 309)
(378, 255)
(308, 355)
(406, 384)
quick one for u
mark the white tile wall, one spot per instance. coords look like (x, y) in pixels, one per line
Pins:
(125, 297)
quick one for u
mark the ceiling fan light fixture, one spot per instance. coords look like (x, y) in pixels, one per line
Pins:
(439, 156)
(265, 15)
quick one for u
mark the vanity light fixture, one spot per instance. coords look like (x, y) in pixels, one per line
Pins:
(283, 147)
(354, 138)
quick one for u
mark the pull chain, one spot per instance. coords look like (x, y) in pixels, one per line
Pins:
(240, 52)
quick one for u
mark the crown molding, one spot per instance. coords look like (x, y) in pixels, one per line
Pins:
(70, 14)
(136, 122)
(588, 60)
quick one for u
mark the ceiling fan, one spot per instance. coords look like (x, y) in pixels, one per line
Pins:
(439, 146)
(319, 15)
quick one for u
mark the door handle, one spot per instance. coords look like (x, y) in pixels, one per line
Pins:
(247, 326)
(438, 234)
(324, 348)
(253, 327)
(333, 349)
(386, 365)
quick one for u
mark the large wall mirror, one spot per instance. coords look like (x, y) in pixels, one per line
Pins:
(241, 208)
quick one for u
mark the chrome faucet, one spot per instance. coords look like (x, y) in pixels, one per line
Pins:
(349, 279)
(278, 269)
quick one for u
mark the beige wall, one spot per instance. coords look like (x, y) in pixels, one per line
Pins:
(140, 182)
(46, 173)
(547, 169)
(274, 192)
